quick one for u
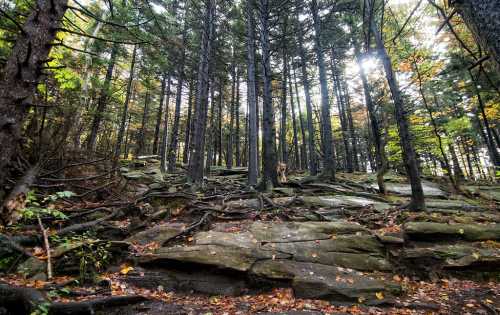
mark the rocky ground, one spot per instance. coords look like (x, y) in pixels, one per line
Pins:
(308, 247)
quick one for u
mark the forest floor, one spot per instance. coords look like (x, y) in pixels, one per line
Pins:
(147, 244)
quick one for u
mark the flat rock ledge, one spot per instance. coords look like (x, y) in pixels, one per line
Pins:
(317, 259)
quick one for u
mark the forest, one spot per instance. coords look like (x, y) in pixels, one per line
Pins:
(217, 157)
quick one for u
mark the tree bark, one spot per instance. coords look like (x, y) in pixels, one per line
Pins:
(328, 153)
(269, 161)
(297, 157)
(174, 134)
(313, 161)
(251, 95)
(189, 125)
(159, 115)
(195, 169)
(342, 113)
(164, 137)
(141, 138)
(22, 73)
(237, 118)
(303, 147)
(284, 111)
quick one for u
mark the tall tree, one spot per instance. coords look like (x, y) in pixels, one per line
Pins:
(196, 162)
(269, 161)
(409, 155)
(328, 153)
(21, 74)
(251, 94)
(312, 158)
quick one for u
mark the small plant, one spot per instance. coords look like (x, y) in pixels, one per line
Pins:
(35, 208)
(92, 254)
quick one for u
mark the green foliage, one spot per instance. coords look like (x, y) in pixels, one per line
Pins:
(92, 254)
(35, 208)
(41, 309)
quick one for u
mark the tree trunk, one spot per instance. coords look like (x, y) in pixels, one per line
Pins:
(491, 143)
(174, 134)
(102, 101)
(195, 170)
(313, 161)
(230, 136)
(352, 132)
(251, 95)
(159, 115)
(375, 128)
(303, 147)
(123, 122)
(328, 153)
(342, 113)
(164, 137)
(189, 125)
(22, 73)
(237, 117)
(269, 162)
(483, 19)
(219, 123)
(141, 139)
(297, 157)
(283, 125)
(409, 155)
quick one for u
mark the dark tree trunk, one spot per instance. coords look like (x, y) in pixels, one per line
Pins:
(125, 151)
(230, 136)
(251, 95)
(164, 137)
(141, 139)
(297, 157)
(313, 161)
(284, 111)
(237, 118)
(159, 115)
(269, 161)
(328, 153)
(102, 101)
(342, 113)
(22, 73)
(352, 132)
(195, 170)
(189, 125)
(219, 124)
(121, 131)
(303, 146)
(211, 130)
(495, 156)
(174, 134)
(409, 155)
(483, 19)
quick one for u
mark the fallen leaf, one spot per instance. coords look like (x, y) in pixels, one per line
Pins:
(379, 295)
